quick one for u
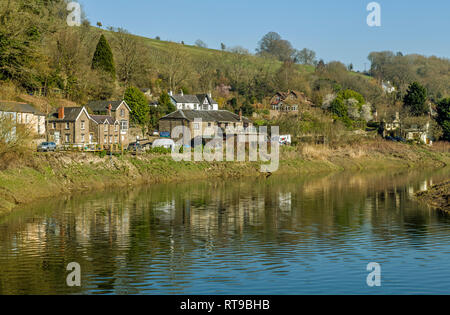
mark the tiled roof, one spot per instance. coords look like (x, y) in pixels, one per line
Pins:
(205, 115)
(19, 108)
(70, 114)
(100, 119)
(102, 106)
(192, 99)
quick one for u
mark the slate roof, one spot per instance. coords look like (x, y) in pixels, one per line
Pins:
(70, 114)
(193, 99)
(205, 115)
(102, 106)
(100, 119)
(19, 108)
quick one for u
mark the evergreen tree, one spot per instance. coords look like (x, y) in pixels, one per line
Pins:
(443, 110)
(103, 58)
(165, 104)
(415, 99)
(140, 109)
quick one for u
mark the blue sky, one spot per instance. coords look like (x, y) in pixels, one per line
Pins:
(336, 30)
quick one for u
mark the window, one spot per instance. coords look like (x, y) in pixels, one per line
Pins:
(54, 125)
(116, 139)
(196, 126)
(67, 138)
(105, 140)
(83, 125)
(209, 125)
(122, 113)
(106, 128)
(124, 125)
(67, 125)
(110, 139)
(82, 138)
(116, 127)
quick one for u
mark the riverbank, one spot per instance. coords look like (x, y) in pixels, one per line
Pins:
(437, 196)
(55, 174)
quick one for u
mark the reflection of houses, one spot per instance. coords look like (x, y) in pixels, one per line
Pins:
(289, 102)
(193, 102)
(210, 120)
(24, 114)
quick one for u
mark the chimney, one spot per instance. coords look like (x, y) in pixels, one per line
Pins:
(210, 94)
(109, 109)
(170, 93)
(181, 92)
(397, 116)
(240, 115)
(61, 113)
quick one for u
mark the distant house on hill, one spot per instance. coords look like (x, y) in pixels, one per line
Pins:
(148, 93)
(24, 114)
(211, 119)
(119, 110)
(289, 102)
(388, 87)
(193, 102)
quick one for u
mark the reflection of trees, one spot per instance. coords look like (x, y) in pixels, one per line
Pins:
(153, 237)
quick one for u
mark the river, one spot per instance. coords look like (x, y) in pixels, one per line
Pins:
(282, 235)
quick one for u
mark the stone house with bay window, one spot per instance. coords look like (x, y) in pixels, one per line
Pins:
(119, 111)
(74, 126)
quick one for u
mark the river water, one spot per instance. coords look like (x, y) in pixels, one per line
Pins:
(282, 235)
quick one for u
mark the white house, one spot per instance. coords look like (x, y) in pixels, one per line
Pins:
(388, 87)
(24, 114)
(193, 102)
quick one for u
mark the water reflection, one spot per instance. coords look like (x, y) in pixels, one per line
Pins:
(285, 235)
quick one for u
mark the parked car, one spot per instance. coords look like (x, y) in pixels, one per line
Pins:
(47, 147)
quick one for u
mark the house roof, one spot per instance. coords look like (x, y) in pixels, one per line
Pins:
(101, 119)
(19, 108)
(70, 114)
(205, 115)
(300, 96)
(193, 99)
(102, 106)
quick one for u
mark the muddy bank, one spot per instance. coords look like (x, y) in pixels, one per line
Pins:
(437, 196)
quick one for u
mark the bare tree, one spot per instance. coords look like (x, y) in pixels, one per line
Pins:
(173, 65)
(130, 56)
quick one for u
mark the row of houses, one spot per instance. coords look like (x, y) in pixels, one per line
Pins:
(108, 122)
(101, 123)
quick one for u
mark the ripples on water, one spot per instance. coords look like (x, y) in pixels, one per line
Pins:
(286, 235)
